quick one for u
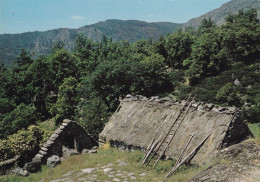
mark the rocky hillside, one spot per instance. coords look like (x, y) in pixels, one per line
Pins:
(237, 163)
(42, 42)
(218, 15)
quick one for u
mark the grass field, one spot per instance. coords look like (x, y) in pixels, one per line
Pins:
(120, 166)
(123, 166)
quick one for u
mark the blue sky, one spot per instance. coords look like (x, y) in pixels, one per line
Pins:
(17, 16)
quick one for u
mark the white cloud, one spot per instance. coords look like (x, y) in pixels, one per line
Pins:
(77, 17)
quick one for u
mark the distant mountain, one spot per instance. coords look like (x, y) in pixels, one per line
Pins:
(218, 15)
(42, 42)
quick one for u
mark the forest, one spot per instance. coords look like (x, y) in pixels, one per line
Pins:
(220, 64)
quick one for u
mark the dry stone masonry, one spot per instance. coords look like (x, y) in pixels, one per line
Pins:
(139, 119)
(68, 139)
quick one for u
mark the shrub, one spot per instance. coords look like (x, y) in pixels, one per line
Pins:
(228, 95)
(23, 141)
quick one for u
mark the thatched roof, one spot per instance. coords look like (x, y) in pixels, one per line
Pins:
(139, 119)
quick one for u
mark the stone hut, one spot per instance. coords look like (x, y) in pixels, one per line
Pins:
(68, 139)
(140, 119)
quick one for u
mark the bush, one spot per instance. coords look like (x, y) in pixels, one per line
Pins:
(21, 117)
(23, 141)
(252, 114)
(228, 95)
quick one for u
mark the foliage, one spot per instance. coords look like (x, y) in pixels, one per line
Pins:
(252, 113)
(67, 100)
(228, 95)
(241, 37)
(23, 141)
(205, 62)
(20, 117)
(93, 115)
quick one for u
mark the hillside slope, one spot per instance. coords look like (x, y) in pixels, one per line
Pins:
(42, 42)
(218, 15)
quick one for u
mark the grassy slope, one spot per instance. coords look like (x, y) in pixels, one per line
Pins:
(105, 157)
(255, 129)
(110, 155)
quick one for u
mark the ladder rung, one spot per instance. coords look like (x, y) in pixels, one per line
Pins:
(173, 129)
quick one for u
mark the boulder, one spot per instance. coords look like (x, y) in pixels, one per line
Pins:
(53, 161)
(84, 151)
(92, 151)
(69, 152)
(20, 172)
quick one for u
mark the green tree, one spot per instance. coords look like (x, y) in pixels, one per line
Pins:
(67, 100)
(206, 26)
(241, 37)
(24, 58)
(207, 58)
(228, 95)
(85, 51)
(93, 115)
(178, 47)
(63, 65)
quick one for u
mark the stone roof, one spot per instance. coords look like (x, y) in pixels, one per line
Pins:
(139, 119)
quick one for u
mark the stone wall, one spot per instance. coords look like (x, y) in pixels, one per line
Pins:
(140, 119)
(70, 136)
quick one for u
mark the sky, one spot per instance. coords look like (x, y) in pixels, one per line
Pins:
(18, 16)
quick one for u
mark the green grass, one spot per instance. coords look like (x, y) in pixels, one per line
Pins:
(105, 157)
(255, 129)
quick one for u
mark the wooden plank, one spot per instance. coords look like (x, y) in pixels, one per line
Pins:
(154, 145)
(148, 148)
(160, 156)
(186, 158)
(185, 148)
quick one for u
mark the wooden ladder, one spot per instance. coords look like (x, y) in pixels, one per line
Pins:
(169, 136)
(173, 129)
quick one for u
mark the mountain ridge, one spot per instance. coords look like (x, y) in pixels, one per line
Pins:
(41, 42)
(218, 15)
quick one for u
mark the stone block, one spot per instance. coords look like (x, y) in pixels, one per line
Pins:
(95, 147)
(84, 151)
(128, 96)
(42, 152)
(53, 161)
(37, 160)
(44, 149)
(64, 124)
(92, 151)
(38, 156)
(67, 121)
(201, 108)
(49, 142)
(58, 131)
(20, 172)
(46, 145)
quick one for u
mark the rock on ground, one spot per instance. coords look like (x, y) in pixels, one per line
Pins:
(53, 161)
(240, 162)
